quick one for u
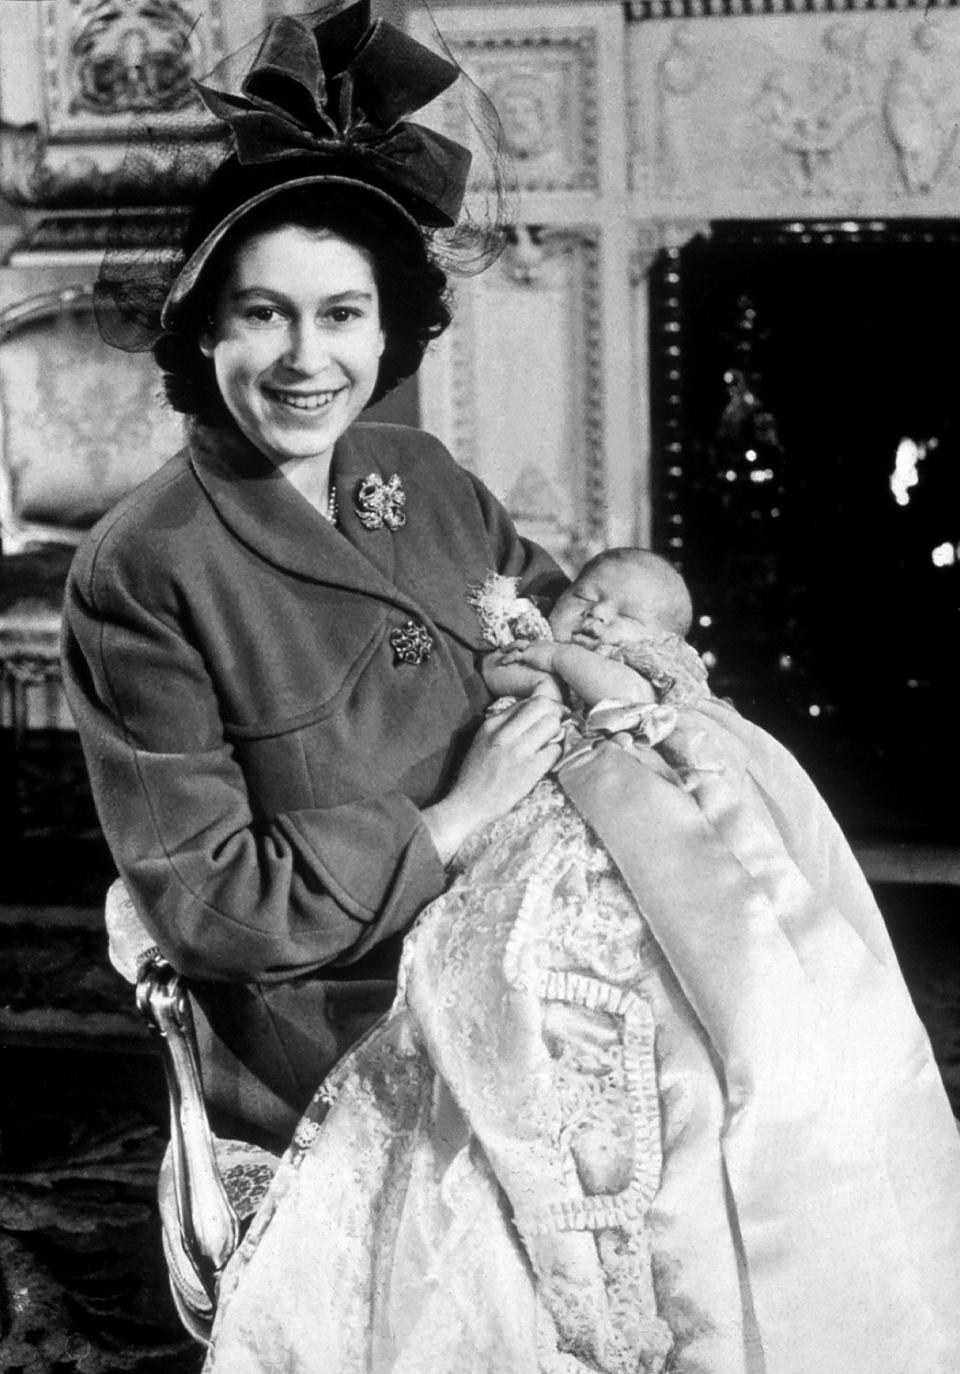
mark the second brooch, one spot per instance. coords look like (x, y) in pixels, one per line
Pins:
(380, 502)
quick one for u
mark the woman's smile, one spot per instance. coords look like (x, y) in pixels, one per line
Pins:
(302, 400)
(296, 341)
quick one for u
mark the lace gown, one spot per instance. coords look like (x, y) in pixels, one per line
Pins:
(708, 1139)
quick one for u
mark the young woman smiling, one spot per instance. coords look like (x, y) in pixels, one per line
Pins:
(269, 649)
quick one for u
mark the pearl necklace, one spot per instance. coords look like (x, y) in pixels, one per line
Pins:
(333, 509)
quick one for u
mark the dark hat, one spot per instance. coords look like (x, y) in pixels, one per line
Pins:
(326, 106)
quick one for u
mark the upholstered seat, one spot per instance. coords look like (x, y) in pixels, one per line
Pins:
(80, 425)
(31, 596)
(208, 1186)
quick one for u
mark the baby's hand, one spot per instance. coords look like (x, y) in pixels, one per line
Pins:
(506, 674)
(536, 653)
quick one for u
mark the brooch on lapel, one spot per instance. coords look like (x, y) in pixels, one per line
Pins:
(380, 503)
(410, 643)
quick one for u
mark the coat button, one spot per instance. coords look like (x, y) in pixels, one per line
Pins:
(410, 643)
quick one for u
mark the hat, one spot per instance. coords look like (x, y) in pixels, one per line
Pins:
(325, 106)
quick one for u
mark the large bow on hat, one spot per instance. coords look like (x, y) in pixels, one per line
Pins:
(342, 89)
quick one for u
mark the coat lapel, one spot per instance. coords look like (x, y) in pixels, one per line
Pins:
(268, 514)
(434, 557)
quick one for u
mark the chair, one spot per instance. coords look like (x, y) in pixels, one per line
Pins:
(208, 1187)
(80, 425)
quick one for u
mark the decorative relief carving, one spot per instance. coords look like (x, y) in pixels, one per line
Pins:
(130, 60)
(522, 99)
(543, 86)
(813, 108)
(116, 85)
(781, 115)
(922, 106)
(652, 237)
(530, 249)
(107, 62)
(680, 73)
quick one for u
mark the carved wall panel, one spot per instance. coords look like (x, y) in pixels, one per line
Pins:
(533, 384)
(81, 79)
(544, 88)
(106, 62)
(516, 389)
(554, 74)
(809, 115)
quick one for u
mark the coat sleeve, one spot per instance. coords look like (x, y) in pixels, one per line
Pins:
(226, 897)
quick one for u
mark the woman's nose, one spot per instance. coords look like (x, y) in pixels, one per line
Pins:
(306, 348)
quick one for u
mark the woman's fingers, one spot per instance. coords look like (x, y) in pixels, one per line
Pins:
(533, 721)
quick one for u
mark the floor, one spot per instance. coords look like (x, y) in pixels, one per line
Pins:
(83, 1287)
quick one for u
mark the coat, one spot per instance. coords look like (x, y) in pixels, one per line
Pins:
(259, 755)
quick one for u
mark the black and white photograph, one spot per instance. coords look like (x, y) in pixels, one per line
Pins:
(479, 687)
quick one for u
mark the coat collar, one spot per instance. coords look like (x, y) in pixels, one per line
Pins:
(266, 513)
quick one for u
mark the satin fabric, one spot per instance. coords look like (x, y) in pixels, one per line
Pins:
(659, 1103)
(839, 1150)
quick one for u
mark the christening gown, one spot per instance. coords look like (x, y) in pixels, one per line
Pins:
(652, 1097)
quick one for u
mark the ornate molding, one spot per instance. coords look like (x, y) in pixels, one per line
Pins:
(556, 491)
(653, 236)
(639, 10)
(665, 306)
(78, 176)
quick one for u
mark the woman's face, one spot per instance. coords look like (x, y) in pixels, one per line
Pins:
(296, 340)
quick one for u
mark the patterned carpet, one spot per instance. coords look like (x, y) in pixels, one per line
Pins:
(83, 1123)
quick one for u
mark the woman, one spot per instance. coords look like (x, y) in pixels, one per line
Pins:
(268, 647)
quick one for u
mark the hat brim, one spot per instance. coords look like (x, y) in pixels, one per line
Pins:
(191, 271)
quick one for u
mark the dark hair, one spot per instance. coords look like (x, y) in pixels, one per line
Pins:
(412, 288)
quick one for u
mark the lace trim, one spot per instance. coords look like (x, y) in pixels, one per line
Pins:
(632, 1082)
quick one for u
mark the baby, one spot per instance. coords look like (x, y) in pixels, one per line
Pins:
(616, 634)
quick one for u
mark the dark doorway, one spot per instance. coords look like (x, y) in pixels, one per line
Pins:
(791, 362)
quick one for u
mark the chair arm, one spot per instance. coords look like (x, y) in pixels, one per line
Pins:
(209, 1225)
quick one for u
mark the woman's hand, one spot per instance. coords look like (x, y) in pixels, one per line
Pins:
(510, 753)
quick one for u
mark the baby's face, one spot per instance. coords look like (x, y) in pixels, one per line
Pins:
(613, 603)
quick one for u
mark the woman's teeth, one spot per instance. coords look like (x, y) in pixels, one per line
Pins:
(316, 400)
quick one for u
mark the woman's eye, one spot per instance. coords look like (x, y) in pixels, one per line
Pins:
(261, 314)
(343, 314)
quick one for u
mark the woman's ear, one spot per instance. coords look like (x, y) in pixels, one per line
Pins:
(205, 341)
